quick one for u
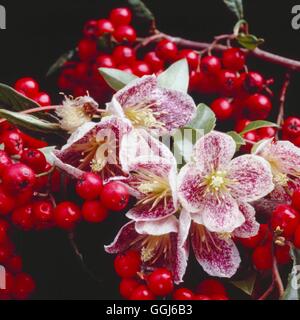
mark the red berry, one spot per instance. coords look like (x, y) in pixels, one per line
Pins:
(191, 56)
(250, 136)
(18, 178)
(142, 293)
(105, 61)
(183, 294)
(222, 108)
(27, 86)
(241, 125)
(87, 50)
(210, 65)
(297, 237)
(233, 59)
(91, 29)
(259, 106)
(127, 265)
(115, 196)
(204, 83)
(14, 264)
(286, 219)
(13, 142)
(160, 282)
(5, 161)
(43, 211)
(120, 16)
(141, 68)
(296, 142)
(7, 202)
(105, 26)
(125, 33)
(43, 99)
(291, 127)
(9, 284)
(282, 254)
(166, 50)
(254, 241)
(252, 82)
(228, 82)
(123, 55)
(127, 287)
(155, 63)
(201, 297)
(5, 253)
(266, 133)
(66, 215)
(211, 286)
(23, 218)
(89, 186)
(125, 68)
(23, 198)
(4, 227)
(296, 199)
(35, 159)
(262, 257)
(93, 211)
(24, 286)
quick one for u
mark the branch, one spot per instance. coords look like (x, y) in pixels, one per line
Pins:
(282, 98)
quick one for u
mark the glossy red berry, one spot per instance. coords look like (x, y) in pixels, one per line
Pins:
(43, 211)
(120, 16)
(4, 227)
(142, 293)
(91, 29)
(13, 142)
(156, 64)
(141, 68)
(34, 159)
(227, 82)
(14, 264)
(43, 99)
(89, 186)
(27, 86)
(282, 254)
(297, 237)
(252, 82)
(266, 133)
(191, 56)
(5, 161)
(285, 219)
(205, 84)
(5, 294)
(66, 215)
(262, 257)
(5, 253)
(291, 127)
(222, 108)
(24, 286)
(105, 61)
(18, 178)
(296, 199)
(93, 211)
(125, 68)
(105, 27)
(123, 55)
(241, 125)
(167, 50)
(211, 286)
(210, 65)
(253, 242)
(160, 282)
(128, 264)
(251, 138)
(115, 196)
(125, 33)
(183, 294)
(23, 218)
(259, 106)
(87, 50)
(7, 202)
(233, 59)
(127, 287)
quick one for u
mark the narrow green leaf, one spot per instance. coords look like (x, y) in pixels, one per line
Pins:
(257, 125)
(249, 41)
(29, 122)
(115, 78)
(236, 6)
(292, 291)
(47, 151)
(205, 119)
(140, 10)
(238, 139)
(246, 285)
(60, 62)
(176, 77)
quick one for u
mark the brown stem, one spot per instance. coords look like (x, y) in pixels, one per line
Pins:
(283, 98)
(267, 293)
(277, 278)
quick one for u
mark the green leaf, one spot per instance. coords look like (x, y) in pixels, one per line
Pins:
(47, 151)
(176, 77)
(115, 78)
(236, 6)
(238, 139)
(246, 285)
(292, 291)
(205, 119)
(60, 62)
(257, 125)
(140, 10)
(29, 122)
(249, 41)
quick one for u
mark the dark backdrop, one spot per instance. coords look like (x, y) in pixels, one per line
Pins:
(39, 31)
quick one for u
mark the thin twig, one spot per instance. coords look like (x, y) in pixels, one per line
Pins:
(267, 293)
(283, 98)
(277, 278)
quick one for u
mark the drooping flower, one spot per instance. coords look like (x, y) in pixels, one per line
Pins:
(156, 241)
(151, 107)
(212, 185)
(94, 147)
(216, 252)
(75, 112)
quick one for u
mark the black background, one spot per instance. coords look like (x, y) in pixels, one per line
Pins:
(39, 31)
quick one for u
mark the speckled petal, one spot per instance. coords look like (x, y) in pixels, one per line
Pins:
(251, 178)
(251, 226)
(218, 257)
(157, 228)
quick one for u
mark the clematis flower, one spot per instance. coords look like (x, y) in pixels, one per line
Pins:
(212, 185)
(94, 147)
(157, 243)
(151, 107)
(216, 252)
(75, 112)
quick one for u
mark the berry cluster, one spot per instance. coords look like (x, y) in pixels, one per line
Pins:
(291, 130)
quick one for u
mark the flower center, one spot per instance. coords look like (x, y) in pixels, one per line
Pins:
(216, 181)
(281, 179)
